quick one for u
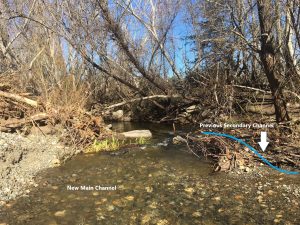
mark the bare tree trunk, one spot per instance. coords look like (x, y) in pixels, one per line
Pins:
(269, 60)
(295, 18)
(5, 52)
(118, 33)
(291, 62)
(19, 98)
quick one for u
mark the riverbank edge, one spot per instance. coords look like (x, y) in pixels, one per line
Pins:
(27, 156)
(23, 157)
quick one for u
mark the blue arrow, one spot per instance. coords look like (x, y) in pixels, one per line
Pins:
(253, 150)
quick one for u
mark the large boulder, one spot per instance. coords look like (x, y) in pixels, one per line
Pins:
(137, 134)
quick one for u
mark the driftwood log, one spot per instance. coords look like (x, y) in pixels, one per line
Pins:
(19, 98)
(13, 124)
(140, 99)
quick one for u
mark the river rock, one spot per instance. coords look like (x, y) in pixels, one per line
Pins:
(276, 221)
(196, 214)
(178, 139)
(162, 222)
(271, 192)
(60, 213)
(247, 169)
(189, 190)
(118, 115)
(146, 218)
(110, 208)
(260, 199)
(153, 205)
(218, 198)
(137, 134)
(129, 198)
(149, 189)
(127, 119)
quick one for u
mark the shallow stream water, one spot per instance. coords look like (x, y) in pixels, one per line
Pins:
(159, 183)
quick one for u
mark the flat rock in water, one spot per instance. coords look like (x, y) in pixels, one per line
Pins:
(138, 134)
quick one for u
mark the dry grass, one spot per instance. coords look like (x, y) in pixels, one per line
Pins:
(64, 103)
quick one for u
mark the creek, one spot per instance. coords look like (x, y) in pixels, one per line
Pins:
(158, 183)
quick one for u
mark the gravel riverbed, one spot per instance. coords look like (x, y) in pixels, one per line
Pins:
(21, 158)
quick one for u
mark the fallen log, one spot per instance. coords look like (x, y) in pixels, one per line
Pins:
(4, 129)
(142, 98)
(15, 123)
(19, 98)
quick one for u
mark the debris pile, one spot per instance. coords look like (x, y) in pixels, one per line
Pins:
(229, 155)
(24, 112)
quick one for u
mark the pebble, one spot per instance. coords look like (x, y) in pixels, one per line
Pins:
(162, 222)
(196, 214)
(276, 221)
(133, 217)
(60, 213)
(271, 192)
(149, 189)
(189, 190)
(100, 217)
(146, 219)
(238, 197)
(247, 169)
(118, 202)
(153, 205)
(129, 198)
(110, 208)
(260, 198)
(217, 198)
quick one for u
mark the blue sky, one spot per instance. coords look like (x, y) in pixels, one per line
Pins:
(181, 30)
